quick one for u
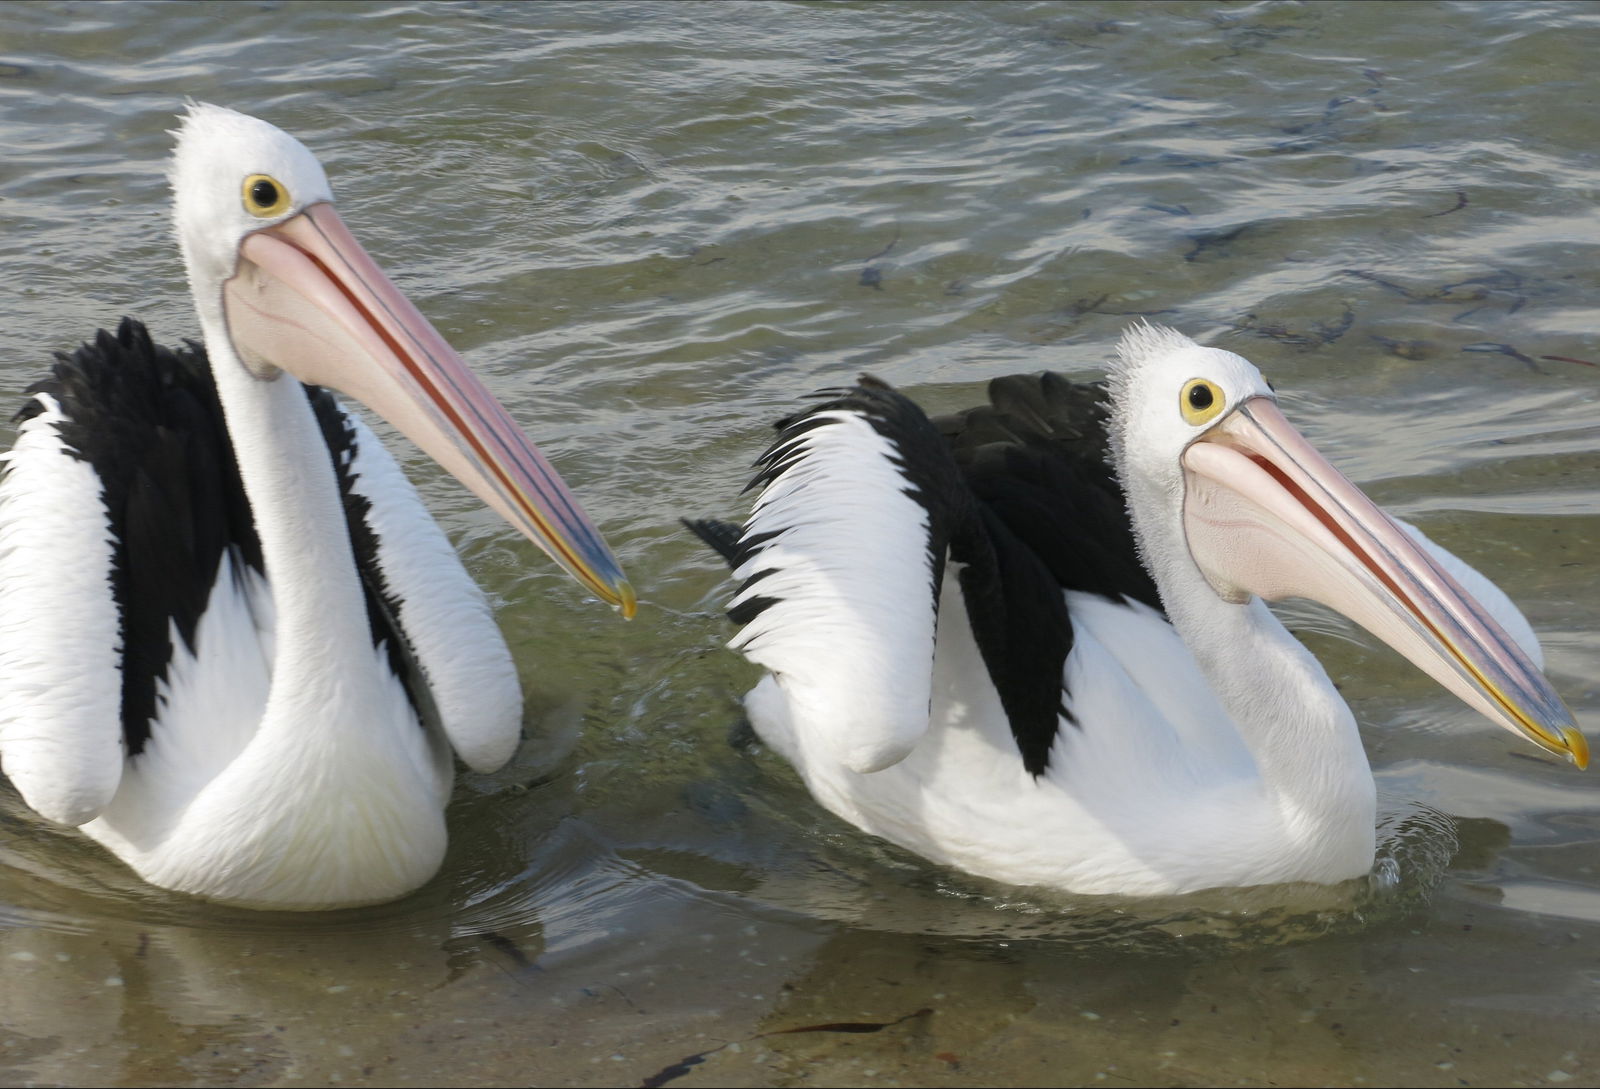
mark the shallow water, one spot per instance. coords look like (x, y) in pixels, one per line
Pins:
(652, 227)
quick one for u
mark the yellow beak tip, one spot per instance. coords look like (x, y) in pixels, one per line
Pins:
(1577, 747)
(629, 605)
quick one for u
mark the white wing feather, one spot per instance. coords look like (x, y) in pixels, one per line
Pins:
(60, 633)
(443, 612)
(849, 638)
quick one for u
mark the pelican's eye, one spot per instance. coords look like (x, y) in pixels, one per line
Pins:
(1200, 401)
(265, 197)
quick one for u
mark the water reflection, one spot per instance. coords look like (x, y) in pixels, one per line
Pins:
(838, 874)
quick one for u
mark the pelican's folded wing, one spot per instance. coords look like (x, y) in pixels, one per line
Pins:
(840, 564)
(1054, 521)
(120, 501)
(447, 646)
(60, 639)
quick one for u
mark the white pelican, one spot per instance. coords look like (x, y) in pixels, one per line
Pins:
(234, 647)
(1034, 647)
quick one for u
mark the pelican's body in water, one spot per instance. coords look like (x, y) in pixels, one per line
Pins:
(1030, 641)
(234, 647)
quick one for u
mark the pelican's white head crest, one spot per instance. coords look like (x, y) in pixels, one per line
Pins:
(218, 152)
(1166, 391)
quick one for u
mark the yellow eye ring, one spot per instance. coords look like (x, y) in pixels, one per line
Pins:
(1201, 401)
(265, 197)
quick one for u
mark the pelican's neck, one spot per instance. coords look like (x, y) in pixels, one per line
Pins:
(1288, 713)
(323, 639)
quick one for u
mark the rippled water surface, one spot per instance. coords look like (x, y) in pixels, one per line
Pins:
(652, 227)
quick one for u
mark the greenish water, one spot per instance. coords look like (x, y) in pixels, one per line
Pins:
(652, 227)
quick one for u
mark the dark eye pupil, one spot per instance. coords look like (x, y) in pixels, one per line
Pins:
(1200, 397)
(264, 193)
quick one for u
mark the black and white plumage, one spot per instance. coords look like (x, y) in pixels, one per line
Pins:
(235, 648)
(1029, 641)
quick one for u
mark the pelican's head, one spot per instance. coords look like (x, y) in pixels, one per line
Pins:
(1169, 391)
(233, 175)
(281, 282)
(1206, 457)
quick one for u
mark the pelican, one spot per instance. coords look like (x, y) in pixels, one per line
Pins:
(1031, 641)
(235, 649)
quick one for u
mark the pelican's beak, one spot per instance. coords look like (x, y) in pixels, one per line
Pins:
(1266, 514)
(307, 299)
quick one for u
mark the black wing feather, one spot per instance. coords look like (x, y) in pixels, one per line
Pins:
(1036, 459)
(1021, 492)
(1038, 456)
(148, 420)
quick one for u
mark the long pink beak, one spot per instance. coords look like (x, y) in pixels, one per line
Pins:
(307, 299)
(1266, 514)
